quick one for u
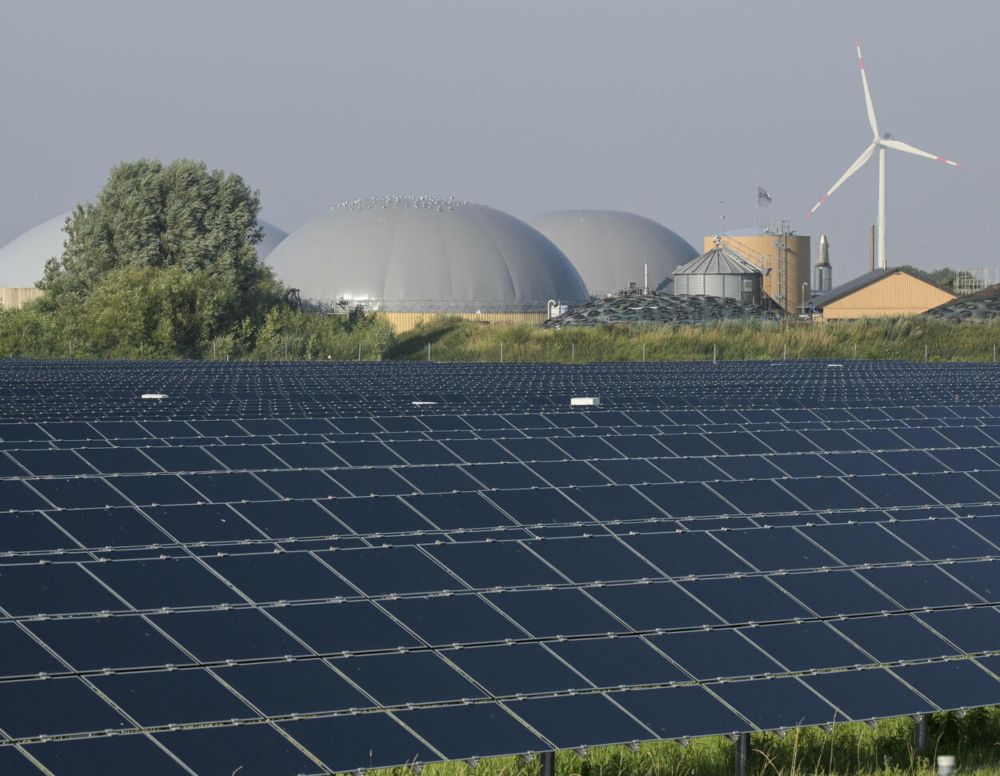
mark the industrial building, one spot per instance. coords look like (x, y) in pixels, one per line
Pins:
(614, 251)
(880, 293)
(414, 258)
(23, 259)
(781, 255)
(720, 272)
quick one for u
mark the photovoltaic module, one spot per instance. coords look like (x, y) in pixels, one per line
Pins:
(311, 568)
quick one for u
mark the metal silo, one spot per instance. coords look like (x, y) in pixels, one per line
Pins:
(782, 256)
(823, 281)
(720, 272)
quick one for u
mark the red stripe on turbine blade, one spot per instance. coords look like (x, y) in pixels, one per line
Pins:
(861, 61)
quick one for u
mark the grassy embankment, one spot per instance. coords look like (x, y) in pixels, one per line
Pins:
(850, 749)
(905, 339)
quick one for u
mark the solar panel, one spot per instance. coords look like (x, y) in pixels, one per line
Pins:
(293, 566)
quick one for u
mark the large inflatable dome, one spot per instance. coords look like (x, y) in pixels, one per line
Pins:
(425, 255)
(609, 247)
(22, 260)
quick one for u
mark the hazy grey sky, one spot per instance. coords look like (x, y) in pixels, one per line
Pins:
(662, 108)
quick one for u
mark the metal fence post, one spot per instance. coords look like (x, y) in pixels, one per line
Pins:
(742, 745)
(547, 764)
(920, 733)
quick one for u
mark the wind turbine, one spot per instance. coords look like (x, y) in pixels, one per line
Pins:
(880, 143)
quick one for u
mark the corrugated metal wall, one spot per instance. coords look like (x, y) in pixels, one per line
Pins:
(18, 297)
(897, 294)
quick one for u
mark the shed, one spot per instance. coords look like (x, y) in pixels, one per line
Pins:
(881, 293)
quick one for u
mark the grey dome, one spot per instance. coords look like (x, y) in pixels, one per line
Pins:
(22, 260)
(273, 236)
(425, 254)
(610, 247)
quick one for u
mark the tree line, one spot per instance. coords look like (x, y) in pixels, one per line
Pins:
(163, 264)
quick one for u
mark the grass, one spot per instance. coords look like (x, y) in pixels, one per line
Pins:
(852, 749)
(904, 339)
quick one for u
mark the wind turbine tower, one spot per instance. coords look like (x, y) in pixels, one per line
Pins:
(880, 143)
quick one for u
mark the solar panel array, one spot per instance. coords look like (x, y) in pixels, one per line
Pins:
(317, 568)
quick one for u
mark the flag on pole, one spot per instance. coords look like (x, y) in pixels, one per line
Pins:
(763, 198)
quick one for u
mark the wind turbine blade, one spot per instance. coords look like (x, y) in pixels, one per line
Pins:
(858, 164)
(907, 148)
(868, 94)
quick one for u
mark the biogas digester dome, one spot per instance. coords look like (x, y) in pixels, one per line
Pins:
(609, 248)
(402, 254)
(22, 260)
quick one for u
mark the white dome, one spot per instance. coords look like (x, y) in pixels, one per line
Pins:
(425, 254)
(609, 247)
(22, 260)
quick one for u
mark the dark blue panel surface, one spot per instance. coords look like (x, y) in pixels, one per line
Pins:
(580, 720)
(453, 619)
(105, 756)
(96, 643)
(50, 707)
(868, 694)
(715, 654)
(409, 677)
(343, 627)
(954, 684)
(481, 730)
(374, 740)
(549, 613)
(618, 662)
(248, 749)
(171, 697)
(777, 703)
(898, 637)
(516, 668)
(677, 712)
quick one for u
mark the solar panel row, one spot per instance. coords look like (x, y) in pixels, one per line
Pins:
(382, 583)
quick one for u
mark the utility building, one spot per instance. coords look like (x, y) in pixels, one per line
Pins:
(781, 255)
(881, 293)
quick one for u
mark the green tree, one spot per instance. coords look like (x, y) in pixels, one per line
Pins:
(199, 223)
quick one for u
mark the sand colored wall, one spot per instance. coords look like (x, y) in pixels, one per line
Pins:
(405, 321)
(787, 257)
(897, 294)
(18, 297)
